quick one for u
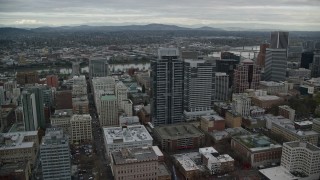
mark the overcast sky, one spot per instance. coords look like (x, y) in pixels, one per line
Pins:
(271, 14)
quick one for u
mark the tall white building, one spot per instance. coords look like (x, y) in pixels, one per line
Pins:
(121, 92)
(302, 157)
(241, 104)
(109, 111)
(55, 155)
(100, 87)
(81, 129)
(221, 87)
(198, 85)
(127, 106)
(276, 65)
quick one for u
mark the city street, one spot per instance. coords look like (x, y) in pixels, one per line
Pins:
(104, 169)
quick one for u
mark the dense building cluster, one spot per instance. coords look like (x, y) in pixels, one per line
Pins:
(183, 114)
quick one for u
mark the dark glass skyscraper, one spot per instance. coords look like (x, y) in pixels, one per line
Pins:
(279, 40)
(33, 111)
(98, 67)
(167, 87)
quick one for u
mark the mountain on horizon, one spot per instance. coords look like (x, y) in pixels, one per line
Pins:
(148, 27)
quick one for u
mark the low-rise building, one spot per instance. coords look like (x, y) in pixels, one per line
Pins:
(316, 125)
(80, 105)
(61, 119)
(301, 157)
(274, 88)
(81, 129)
(286, 129)
(261, 99)
(257, 149)
(116, 138)
(287, 112)
(129, 120)
(233, 119)
(144, 114)
(254, 122)
(163, 172)
(63, 99)
(19, 170)
(187, 166)
(212, 122)
(227, 134)
(216, 164)
(179, 136)
(135, 163)
(19, 146)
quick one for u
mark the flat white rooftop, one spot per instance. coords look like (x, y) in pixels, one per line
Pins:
(186, 162)
(277, 173)
(126, 134)
(14, 140)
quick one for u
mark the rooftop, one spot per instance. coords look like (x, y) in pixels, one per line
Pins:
(256, 142)
(108, 98)
(126, 134)
(212, 118)
(134, 155)
(271, 83)
(304, 123)
(9, 168)
(299, 144)
(278, 173)
(62, 113)
(267, 97)
(163, 170)
(54, 136)
(288, 125)
(16, 140)
(186, 162)
(177, 131)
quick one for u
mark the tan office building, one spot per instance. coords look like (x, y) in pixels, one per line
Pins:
(81, 129)
(19, 146)
(136, 163)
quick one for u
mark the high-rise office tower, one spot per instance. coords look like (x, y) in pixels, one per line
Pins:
(261, 59)
(276, 65)
(109, 110)
(315, 66)
(247, 75)
(227, 66)
(221, 86)
(33, 111)
(98, 67)
(2, 96)
(306, 59)
(198, 85)
(279, 40)
(29, 111)
(55, 155)
(167, 87)
(75, 68)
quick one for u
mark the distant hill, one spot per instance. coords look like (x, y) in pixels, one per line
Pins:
(207, 28)
(148, 27)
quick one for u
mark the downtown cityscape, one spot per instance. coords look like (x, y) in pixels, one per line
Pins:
(151, 100)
